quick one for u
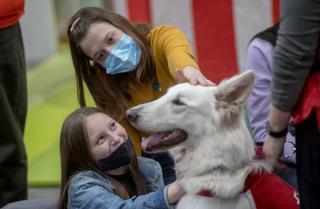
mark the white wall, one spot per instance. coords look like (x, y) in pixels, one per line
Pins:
(166, 12)
(38, 30)
(66, 8)
(249, 17)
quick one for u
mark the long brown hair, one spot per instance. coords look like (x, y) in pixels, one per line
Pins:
(76, 157)
(110, 92)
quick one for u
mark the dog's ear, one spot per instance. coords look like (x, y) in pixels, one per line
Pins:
(236, 89)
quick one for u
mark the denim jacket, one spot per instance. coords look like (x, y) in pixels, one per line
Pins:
(90, 190)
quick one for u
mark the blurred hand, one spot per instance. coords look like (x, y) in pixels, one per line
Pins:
(175, 192)
(273, 148)
(193, 76)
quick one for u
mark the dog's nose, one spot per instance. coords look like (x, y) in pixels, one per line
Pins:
(132, 116)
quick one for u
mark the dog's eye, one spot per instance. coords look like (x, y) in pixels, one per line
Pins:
(177, 101)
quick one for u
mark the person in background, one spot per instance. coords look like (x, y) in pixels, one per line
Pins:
(259, 58)
(296, 91)
(13, 104)
(99, 168)
(124, 66)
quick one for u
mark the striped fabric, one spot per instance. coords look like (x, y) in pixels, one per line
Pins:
(219, 31)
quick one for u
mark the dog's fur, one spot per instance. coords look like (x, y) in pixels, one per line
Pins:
(219, 148)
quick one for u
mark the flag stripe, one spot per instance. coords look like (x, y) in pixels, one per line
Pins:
(215, 41)
(139, 11)
(275, 11)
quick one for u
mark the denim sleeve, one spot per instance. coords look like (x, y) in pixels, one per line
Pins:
(88, 193)
(295, 50)
(151, 170)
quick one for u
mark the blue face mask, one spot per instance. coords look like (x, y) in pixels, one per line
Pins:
(124, 57)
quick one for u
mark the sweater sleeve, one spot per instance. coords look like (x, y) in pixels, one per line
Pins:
(295, 50)
(259, 57)
(173, 46)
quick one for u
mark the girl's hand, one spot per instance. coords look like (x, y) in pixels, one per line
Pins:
(174, 192)
(193, 76)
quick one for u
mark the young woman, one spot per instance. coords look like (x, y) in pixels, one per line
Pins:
(100, 170)
(124, 66)
(259, 58)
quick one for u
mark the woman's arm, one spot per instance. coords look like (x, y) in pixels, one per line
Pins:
(294, 54)
(175, 48)
(295, 51)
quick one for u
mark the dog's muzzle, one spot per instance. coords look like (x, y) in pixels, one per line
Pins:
(132, 115)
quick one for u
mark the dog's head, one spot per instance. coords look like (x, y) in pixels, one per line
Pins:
(193, 116)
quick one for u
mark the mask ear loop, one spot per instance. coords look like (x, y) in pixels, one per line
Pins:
(74, 24)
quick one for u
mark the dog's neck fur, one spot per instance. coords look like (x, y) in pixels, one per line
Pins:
(224, 171)
(221, 182)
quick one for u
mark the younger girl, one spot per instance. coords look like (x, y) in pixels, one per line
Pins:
(100, 170)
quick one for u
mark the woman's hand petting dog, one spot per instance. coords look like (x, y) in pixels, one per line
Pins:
(193, 76)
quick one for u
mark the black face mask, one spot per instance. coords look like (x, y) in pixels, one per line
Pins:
(120, 157)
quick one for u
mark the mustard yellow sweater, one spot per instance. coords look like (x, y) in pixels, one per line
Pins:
(171, 51)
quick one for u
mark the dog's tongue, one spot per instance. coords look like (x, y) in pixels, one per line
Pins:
(152, 140)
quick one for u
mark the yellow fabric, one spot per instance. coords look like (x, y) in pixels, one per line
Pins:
(171, 51)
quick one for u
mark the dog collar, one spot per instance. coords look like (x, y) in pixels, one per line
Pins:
(251, 178)
(205, 193)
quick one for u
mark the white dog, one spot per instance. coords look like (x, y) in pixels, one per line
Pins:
(219, 167)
